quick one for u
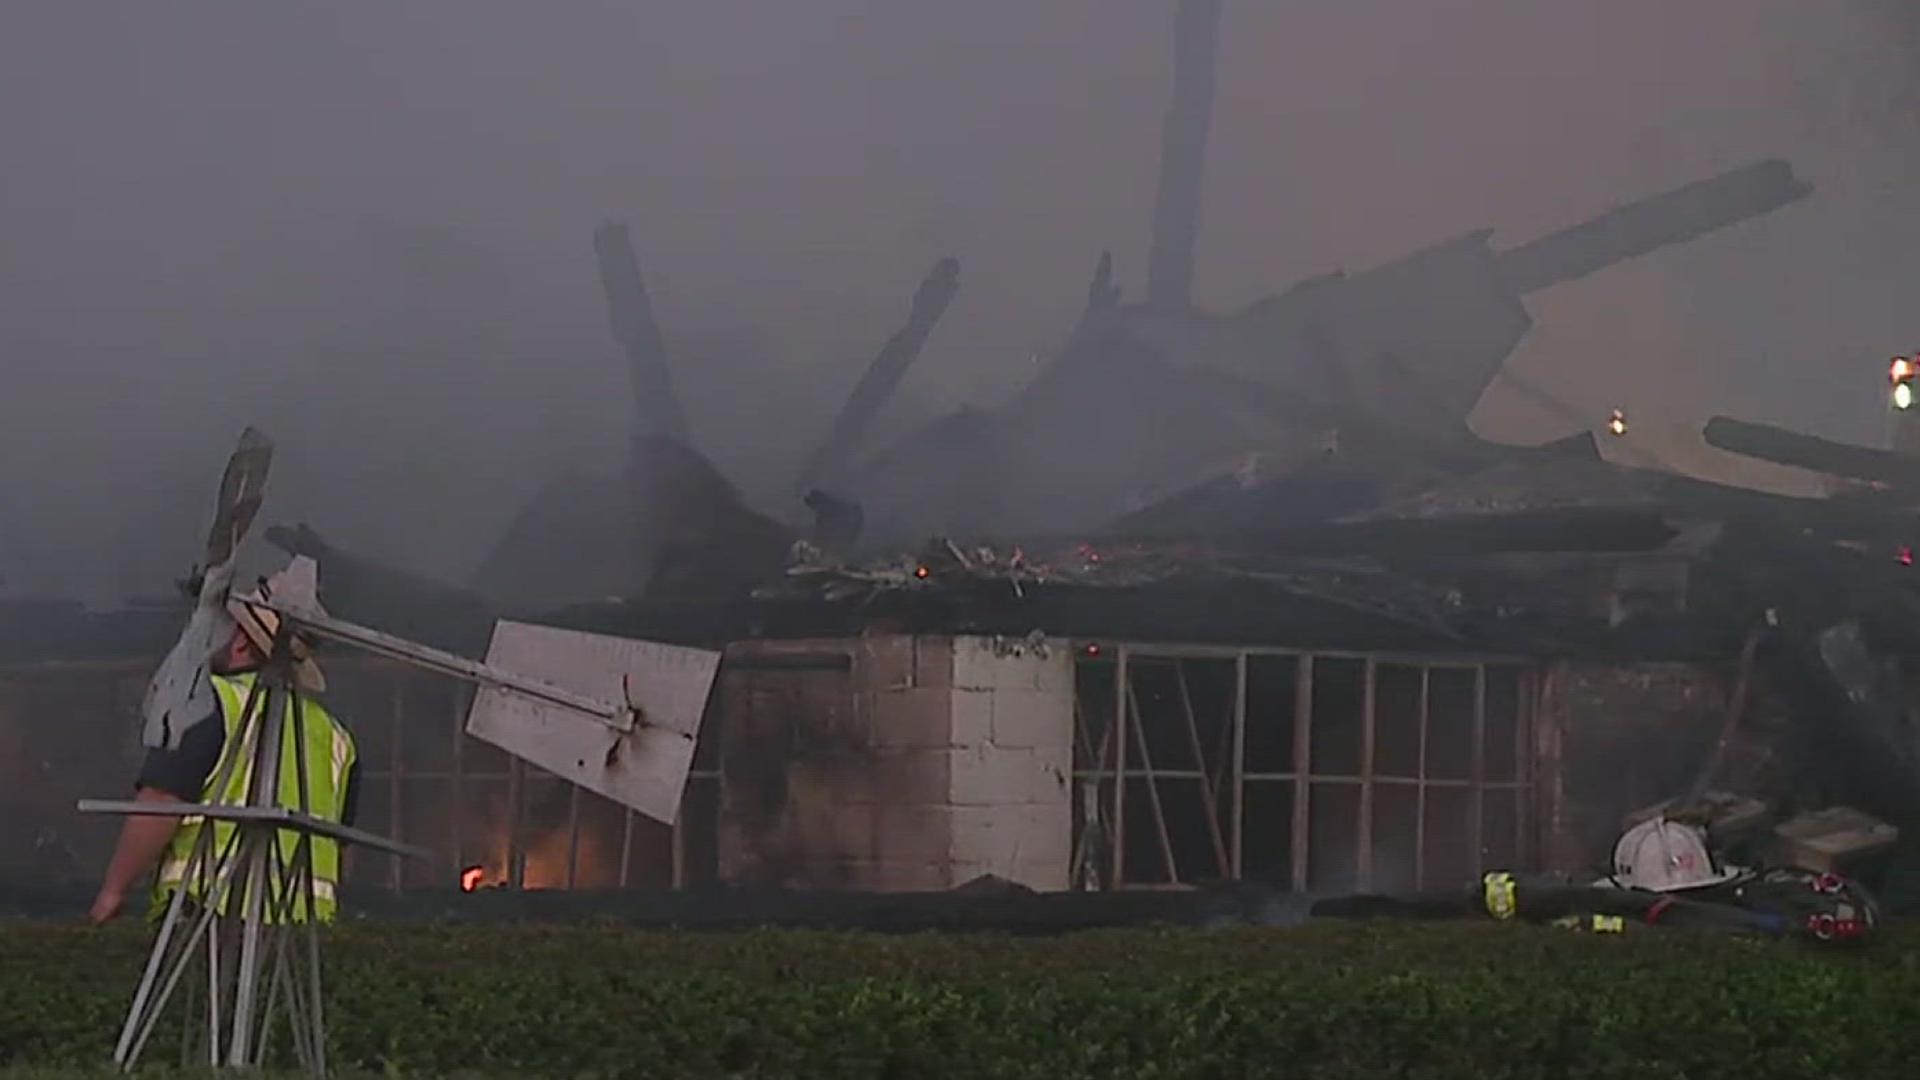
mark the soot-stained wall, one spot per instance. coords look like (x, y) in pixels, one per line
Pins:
(895, 763)
(1618, 737)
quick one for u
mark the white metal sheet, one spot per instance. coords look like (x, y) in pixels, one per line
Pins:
(645, 768)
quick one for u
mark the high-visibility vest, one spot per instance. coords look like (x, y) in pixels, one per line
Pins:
(329, 756)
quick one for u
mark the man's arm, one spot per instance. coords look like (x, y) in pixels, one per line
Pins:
(143, 839)
(177, 775)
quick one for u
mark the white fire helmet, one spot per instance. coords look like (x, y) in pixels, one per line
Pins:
(1666, 856)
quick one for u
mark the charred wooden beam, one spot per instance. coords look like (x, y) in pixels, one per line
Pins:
(630, 315)
(1640, 227)
(883, 376)
(836, 522)
(1784, 447)
(1102, 293)
(1183, 152)
(1570, 529)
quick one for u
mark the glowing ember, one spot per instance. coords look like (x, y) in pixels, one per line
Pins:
(471, 877)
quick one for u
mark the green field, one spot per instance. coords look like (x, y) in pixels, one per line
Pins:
(1319, 1001)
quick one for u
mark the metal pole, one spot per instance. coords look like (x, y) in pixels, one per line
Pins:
(396, 773)
(626, 845)
(1420, 789)
(573, 836)
(1479, 797)
(1239, 762)
(516, 868)
(215, 991)
(265, 783)
(304, 877)
(1364, 841)
(459, 785)
(1302, 766)
(1122, 684)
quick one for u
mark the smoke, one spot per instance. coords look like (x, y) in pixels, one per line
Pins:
(366, 227)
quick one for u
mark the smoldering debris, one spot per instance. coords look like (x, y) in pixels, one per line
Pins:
(1298, 470)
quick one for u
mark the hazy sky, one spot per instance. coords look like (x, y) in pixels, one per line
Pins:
(366, 226)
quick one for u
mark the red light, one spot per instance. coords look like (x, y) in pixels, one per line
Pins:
(1901, 368)
(1093, 649)
(471, 877)
(922, 573)
(1905, 555)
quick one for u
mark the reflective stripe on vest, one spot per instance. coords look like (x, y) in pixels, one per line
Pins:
(329, 754)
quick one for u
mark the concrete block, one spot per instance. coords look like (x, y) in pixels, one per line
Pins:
(904, 719)
(1030, 831)
(851, 831)
(1001, 776)
(1046, 832)
(884, 662)
(819, 827)
(1053, 673)
(987, 834)
(974, 665)
(1030, 718)
(984, 663)
(914, 833)
(971, 722)
(1013, 664)
(932, 662)
(1056, 758)
(825, 718)
(915, 777)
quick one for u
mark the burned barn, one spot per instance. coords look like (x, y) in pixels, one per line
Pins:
(1489, 673)
(1204, 607)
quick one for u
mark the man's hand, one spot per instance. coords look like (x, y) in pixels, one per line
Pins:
(106, 907)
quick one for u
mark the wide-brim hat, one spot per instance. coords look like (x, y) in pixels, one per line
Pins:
(261, 624)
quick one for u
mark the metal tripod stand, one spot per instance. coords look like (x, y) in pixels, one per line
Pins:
(243, 916)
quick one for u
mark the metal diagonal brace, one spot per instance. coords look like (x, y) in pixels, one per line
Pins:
(620, 716)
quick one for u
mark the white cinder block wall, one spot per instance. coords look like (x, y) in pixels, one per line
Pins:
(1010, 761)
(925, 763)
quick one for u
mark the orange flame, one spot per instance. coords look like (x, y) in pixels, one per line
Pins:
(471, 877)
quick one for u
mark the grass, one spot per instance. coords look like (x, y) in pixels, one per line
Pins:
(1342, 1000)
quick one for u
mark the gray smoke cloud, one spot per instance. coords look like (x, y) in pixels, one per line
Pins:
(366, 226)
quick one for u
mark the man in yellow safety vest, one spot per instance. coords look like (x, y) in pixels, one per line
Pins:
(189, 772)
